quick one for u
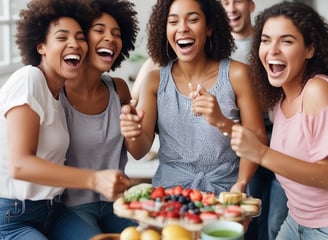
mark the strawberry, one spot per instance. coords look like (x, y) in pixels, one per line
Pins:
(209, 199)
(135, 205)
(193, 218)
(158, 192)
(177, 190)
(169, 191)
(196, 195)
(172, 214)
(186, 192)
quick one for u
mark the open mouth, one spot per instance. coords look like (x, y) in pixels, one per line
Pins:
(234, 19)
(72, 59)
(185, 43)
(105, 52)
(276, 66)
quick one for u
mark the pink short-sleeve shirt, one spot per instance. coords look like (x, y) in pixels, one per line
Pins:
(303, 137)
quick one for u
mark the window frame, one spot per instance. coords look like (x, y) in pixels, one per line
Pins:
(8, 20)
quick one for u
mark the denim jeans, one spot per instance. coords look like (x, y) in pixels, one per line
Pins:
(40, 220)
(278, 209)
(265, 186)
(100, 215)
(290, 230)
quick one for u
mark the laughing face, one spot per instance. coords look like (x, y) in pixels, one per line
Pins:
(105, 43)
(239, 14)
(283, 52)
(64, 49)
(186, 29)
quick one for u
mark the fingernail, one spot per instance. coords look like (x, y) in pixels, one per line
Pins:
(133, 101)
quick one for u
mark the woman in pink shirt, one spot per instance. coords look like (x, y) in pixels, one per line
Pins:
(290, 71)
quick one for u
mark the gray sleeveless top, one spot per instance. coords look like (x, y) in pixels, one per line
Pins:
(192, 152)
(95, 142)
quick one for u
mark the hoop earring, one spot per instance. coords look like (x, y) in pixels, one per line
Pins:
(175, 57)
(167, 50)
(210, 44)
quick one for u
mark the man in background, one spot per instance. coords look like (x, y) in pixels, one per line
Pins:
(239, 14)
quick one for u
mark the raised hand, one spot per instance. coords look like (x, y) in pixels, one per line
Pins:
(130, 120)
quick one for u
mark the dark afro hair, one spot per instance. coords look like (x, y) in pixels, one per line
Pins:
(34, 22)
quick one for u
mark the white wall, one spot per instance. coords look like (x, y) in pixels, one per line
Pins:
(143, 8)
(322, 7)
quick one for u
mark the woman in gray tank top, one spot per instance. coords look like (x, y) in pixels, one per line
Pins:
(193, 100)
(92, 104)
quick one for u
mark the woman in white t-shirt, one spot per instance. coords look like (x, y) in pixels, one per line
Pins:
(33, 131)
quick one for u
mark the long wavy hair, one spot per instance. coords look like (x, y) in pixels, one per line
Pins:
(314, 30)
(219, 46)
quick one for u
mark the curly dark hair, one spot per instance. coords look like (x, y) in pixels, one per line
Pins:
(314, 30)
(219, 46)
(124, 13)
(34, 22)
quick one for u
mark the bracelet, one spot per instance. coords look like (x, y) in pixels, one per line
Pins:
(262, 155)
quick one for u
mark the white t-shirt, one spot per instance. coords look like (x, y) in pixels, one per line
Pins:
(28, 86)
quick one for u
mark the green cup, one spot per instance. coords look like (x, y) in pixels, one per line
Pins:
(222, 230)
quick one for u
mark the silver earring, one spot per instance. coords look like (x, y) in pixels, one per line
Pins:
(210, 44)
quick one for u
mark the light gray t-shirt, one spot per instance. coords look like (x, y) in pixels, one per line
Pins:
(193, 153)
(95, 142)
(243, 47)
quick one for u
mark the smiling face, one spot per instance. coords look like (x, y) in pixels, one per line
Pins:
(186, 29)
(239, 14)
(105, 43)
(283, 52)
(64, 49)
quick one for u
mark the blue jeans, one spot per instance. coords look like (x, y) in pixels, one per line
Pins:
(40, 220)
(290, 230)
(278, 209)
(101, 216)
(265, 186)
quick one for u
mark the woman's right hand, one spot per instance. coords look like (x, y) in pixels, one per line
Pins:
(111, 183)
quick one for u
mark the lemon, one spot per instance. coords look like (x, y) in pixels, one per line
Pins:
(150, 234)
(130, 233)
(176, 232)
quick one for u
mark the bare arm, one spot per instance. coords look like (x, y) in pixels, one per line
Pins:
(138, 125)
(247, 145)
(251, 115)
(23, 134)
(146, 67)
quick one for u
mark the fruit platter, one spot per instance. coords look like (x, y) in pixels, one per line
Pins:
(191, 208)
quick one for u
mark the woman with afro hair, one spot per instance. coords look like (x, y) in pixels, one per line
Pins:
(92, 104)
